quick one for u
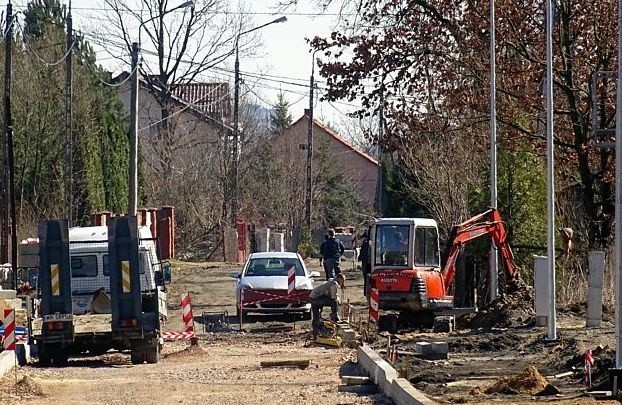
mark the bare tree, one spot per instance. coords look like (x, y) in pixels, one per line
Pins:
(185, 153)
(185, 43)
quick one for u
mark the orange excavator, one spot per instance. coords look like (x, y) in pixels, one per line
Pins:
(406, 265)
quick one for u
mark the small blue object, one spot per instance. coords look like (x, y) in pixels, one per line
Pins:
(19, 330)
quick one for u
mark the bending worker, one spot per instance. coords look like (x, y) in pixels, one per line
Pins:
(325, 295)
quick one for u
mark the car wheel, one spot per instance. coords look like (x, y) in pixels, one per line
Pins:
(306, 316)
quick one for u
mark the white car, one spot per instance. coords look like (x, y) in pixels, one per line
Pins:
(262, 285)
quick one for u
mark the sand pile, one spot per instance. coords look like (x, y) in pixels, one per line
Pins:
(512, 309)
(529, 381)
(25, 387)
(188, 351)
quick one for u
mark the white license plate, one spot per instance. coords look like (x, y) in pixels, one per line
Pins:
(58, 317)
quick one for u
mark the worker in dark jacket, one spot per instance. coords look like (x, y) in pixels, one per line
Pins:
(325, 295)
(364, 258)
(331, 251)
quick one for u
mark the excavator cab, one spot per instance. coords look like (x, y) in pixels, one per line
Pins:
(403, 243)
(405, 261)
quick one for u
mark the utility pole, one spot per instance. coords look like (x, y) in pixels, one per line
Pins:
(236, 131)
(236, 137)
(380, 182)
(618, 199)
(310, 146)
(493, 256)
(133, 200)
(8, 40)
(550, 204)
(69, 118)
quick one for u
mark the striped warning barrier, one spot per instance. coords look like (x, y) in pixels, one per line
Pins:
(177, 335)
(373, 305)
(9, 329)
(125, 276)
(252, 297)
(187, 312)
(588, 361)
(291, 279)
(55, 278)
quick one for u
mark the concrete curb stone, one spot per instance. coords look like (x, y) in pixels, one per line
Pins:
(399, 390)
(8, 361)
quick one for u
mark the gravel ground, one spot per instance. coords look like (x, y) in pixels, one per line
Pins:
(224, 369)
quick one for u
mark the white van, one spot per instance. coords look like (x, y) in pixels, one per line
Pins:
(88, 250)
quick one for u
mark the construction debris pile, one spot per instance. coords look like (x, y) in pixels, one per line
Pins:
(187, 351)
(512, 309)
(23, 388)
(529, 381)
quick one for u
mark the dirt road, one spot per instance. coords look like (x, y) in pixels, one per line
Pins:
(225, 369)
(486, 364)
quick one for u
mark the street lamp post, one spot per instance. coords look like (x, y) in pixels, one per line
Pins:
(308, 202)
(133, 197)
(236, 131)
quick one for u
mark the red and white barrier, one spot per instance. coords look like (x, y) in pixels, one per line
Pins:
(291, 279)
(177, 335)
(588, 361)
(252, 297)
(373, 305)
(9, 329)
(187, 317)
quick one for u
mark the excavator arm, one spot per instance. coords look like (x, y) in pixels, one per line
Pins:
(486, 223)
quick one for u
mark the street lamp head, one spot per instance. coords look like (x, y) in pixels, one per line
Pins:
(186, 4)
(280, 19)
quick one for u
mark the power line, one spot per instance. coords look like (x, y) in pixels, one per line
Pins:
(215, 12)
(188, 105)
(105, 83)
(46, 63)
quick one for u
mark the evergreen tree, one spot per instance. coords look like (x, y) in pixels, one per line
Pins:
(281, 117)
(99, 141)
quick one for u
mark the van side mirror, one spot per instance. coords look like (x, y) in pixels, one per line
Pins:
(159, 278)
(167, 272)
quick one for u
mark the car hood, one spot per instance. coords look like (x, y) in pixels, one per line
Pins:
(274, 283)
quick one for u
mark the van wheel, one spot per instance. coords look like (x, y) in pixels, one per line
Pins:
(136, 356)
(60, 358)
(44, 359)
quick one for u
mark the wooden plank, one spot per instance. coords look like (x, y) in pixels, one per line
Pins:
(354, 380)
(286, 363)
(273, 328)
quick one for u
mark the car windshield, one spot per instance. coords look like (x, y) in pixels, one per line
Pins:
(273, 266)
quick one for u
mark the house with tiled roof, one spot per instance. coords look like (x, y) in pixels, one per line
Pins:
(198, 116)
(359, 168)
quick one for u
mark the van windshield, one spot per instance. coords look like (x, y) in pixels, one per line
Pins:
(107, 266)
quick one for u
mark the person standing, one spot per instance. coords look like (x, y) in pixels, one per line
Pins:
(331, 251)
(322, 249)
(364, 258)
(325, 295)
